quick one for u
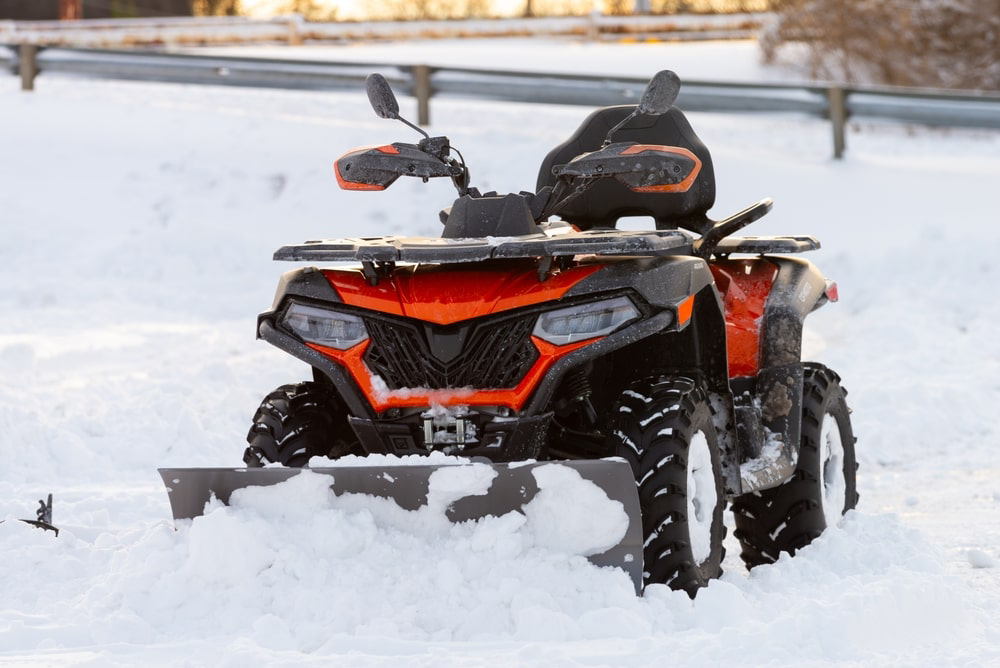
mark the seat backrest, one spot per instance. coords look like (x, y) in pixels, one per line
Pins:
(608, 200)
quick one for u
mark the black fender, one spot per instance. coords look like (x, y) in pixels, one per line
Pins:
(311, 284)
(695, 347)
(799, 288)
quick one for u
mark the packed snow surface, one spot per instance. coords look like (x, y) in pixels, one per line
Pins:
(138, 223)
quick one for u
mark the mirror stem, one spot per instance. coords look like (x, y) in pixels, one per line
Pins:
(415, 127)
(612, 131)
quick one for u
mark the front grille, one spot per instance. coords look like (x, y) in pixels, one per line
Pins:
(490, 354)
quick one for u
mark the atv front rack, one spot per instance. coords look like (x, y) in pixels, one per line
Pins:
(392, 249)
(479, 249)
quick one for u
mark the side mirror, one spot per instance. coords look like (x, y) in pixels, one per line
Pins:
(660, 93)
(383, 100)
(381, 97)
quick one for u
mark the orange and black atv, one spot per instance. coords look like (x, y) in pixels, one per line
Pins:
(662, 366)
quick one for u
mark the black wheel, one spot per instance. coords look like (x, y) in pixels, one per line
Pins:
(664, 429)
(297, 422)
(823, 488)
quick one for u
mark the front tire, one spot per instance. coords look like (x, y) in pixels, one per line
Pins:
(297, 422)
(664, 429)
(822, 489)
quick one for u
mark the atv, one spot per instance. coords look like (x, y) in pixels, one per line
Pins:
(661, 365)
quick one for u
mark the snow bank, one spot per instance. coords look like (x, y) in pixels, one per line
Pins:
(292, 568)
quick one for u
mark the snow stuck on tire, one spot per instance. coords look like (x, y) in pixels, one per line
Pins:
(702, 501)
(831, 457)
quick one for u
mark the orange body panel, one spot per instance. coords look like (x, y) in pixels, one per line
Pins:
(448, 295)
(744, 286)
(347, 184)
(684, 311)
(513, 398)
(684, 185)
(351, 185)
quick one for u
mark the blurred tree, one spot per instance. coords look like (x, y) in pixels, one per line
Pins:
(70, 10)
(709, 6)
(934, 43)
(36, 10)
(311, 10)
(216, 7)
(624, 7)
(405, 10)
(123, 9)
(670, 6)
(619, 7)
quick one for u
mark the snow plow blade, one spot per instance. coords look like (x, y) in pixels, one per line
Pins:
(513, 487)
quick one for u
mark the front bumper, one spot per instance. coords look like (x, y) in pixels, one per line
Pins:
(502, 439)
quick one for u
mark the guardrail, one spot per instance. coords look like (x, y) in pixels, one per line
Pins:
(837, 103)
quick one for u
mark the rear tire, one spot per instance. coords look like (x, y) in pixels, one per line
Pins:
(297, 422)
(663, 427)
(824, 487)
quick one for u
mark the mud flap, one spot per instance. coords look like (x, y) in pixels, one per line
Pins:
(513, 487)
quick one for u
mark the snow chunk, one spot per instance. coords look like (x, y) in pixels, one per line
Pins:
(570, 514)
(980, 559)
(450, 484)
(383, 393)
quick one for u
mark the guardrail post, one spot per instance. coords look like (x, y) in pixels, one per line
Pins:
(838, 117)
(593, 25)
(28, 61)
(422, 91)
(295, 30)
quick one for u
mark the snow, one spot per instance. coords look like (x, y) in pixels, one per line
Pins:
(138, 224)
(593, 525)
(736, 60)
(980, 559)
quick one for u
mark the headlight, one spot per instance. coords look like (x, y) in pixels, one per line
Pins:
(325, 327)
(585, 321)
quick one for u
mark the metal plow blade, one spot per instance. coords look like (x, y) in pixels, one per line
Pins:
(513, 487)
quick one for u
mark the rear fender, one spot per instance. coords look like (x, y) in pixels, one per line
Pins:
(798, 288)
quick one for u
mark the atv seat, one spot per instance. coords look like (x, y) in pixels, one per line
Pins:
(608, 200)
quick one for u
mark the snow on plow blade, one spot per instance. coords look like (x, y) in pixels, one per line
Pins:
(514, 486)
